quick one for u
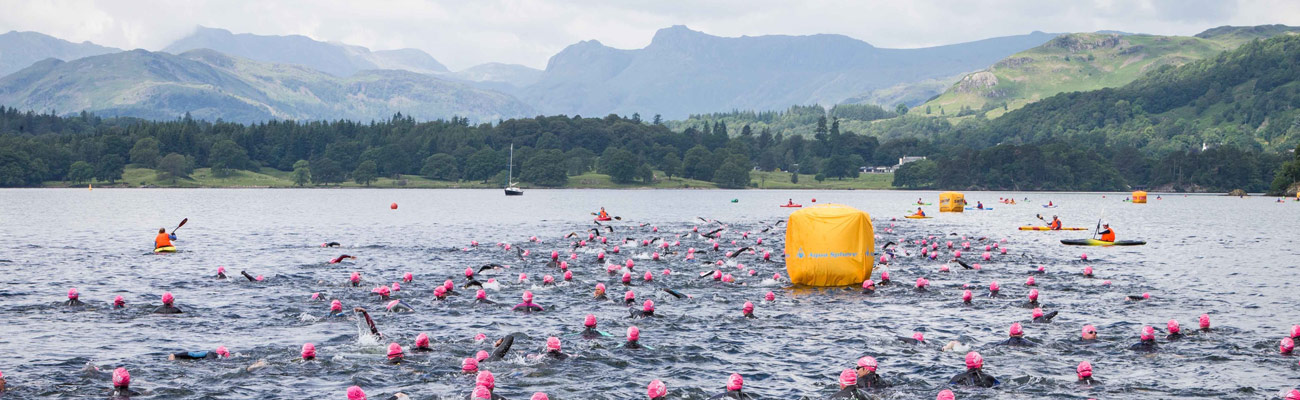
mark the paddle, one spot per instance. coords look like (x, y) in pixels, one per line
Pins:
(1098, 229)
(183, 221)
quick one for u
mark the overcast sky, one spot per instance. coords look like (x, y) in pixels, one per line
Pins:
(463, 33)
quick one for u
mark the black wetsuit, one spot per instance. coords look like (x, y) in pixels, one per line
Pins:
(1145, 345)
(675, 293)
(556, 355)
(196, 355)
(592, 333)
(750, 315)
(909, 340)
(247, 276)
(994, 293)
(528, 308)
(731, 394)
(1045, 318)
(1089, 381)
(371, 324)
(333, 244)
(632, 344)
(974, 377)
(871, 380)
(499, 353)
(221, 275)
(123, 392)
(850, 392)
(401, 306)
(167, 309)
(1174, 336)
(868, 291)
(472, 283)
(642, 313)
(73, 303)
(1017, 341)
(484, 301)
(600, 297)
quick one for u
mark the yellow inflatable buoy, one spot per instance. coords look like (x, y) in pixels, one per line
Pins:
(1139, 197)
(829, 245)
(952, 202)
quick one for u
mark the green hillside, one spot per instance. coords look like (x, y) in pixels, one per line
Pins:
(1082, 62)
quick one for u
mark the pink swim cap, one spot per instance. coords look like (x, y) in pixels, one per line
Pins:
(308, 351)
(121, 378)
(1015, 330)
(383, 291)
(590, 321)
(1173, 326)
(945, 395)
(868, 363)
(627, 277)
(1083, 256)
(629, 296)
(965, 295)
(884, 275)
(633, 333)
(528, 296)
(1205, 321)
(390, 305)
(1286, 346)
(356, 277)
(769, 296)
(648, 306)
(776, 276)
(448, 285)
(469, 364)
(1085, 369)
(394, 350)
(469, 272)
(439, 291)
(481, 295)
(649, 276)
(956, 254)
(221, 351)
(72, 294)
(1030, 281)
(355, 393)
(974, 360)
(1033, 294)
(986, 256)
(735, 382)
(1295, 331)
(548, 279)
(479, 337)
(1087, 270)
(1294, 395)
(523, 277)
(539, 396)
(1148, 333)
(568, 275)
(993, 287)
(117, 301)
(921, 283)
(867, 284)
(221, 270)
(748, 306)
(656, 389)
(848, 377)
(482, 393)
(485, 379)
(943, 268)
(600, 287)
(1088, 329)
(1038, 312)
(422, 341)
(552, 344)
(918, 336)
(168, 299)
(629, 264)
(408, 277)
(336, 306)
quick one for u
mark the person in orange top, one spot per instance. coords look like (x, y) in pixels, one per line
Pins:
(162, 240)
(1055, 224)
(603, 214)
(919, 212)
(1107, 234)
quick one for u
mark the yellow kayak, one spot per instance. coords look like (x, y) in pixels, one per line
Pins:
(165, 249)
(916, 217)
(1044, 228)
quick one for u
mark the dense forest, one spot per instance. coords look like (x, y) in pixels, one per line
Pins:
(1218, 124)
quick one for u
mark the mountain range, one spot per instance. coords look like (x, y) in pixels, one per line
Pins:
(19, 50)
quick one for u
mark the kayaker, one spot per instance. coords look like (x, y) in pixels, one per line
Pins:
(1049, 203)
(1107, 234)
(603, 214)
(919, 212)
(979, 205)
(162, 240)
(789, 202)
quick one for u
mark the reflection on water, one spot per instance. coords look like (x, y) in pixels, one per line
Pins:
(1231, 258)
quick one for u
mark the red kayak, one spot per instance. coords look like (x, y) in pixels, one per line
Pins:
(602, 219)
(793, 205)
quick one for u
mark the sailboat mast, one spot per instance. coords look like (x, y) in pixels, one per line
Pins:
(510, 169)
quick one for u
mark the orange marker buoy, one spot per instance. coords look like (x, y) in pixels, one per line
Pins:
(393, 206)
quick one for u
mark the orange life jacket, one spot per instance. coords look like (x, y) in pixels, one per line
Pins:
(162, 240)
(1108, 235)
(1056, 224)
(603, 214)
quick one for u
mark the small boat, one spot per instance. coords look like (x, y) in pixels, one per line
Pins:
(512, 189)
(1095, 242)
(917, 217)
(792, 205)
(165, 249)
(1046, 228)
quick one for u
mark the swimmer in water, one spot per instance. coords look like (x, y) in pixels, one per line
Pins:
(1148, 343)
(383, 292)
(1040, 318)
(73, 301)
(486, 381)
(917, 338)
(395, 353)
(502, 348)
(336, 309)
(331, 244)
(122, 384)
(481, 298)
(450, 288)
(848, 386)
(1088, 334)
(251, 278)
(308, 352)
(355, 279)
(656, 390)
(633, 338)
(553, 349)
(340, 259)
(221, 273)
(748, 310)
(599, 294)
(1286, 347)
(168, 306)
(398, 306)
(735, 387)
(439, 293)
(220, 352)
(647, 310)
(1085, 373)
(676, 293)
(994, 289)
(589, 330)
(974, 375)
(527, 306)
(1017, 337)
(868, 287)
(867, 376)
(119, 303)
(369, 322)
(1175, 331)
(884, 278)
(422, 343)
(1033, 298)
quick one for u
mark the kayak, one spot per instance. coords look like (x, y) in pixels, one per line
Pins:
(1047, 206)
(602, 219)
(793, 205)
(735, 200)
(916, 217)
(1095, 242)
(923, 204)
(165, 249)
(981, 209)
(1044, 228)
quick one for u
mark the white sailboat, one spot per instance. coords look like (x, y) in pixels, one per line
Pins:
(511, 188)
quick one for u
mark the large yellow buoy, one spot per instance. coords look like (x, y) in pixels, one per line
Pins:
(952, 202)
(829, 245)
(1139, 197)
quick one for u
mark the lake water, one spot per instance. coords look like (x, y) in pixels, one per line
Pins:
(1234, 259)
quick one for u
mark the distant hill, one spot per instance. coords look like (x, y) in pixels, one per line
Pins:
(21, 49)
(1081, 62)
(332, 58)
(684, 71)
(505, 78)
(211, 85)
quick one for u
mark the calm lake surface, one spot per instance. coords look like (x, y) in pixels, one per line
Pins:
(1234, 259)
